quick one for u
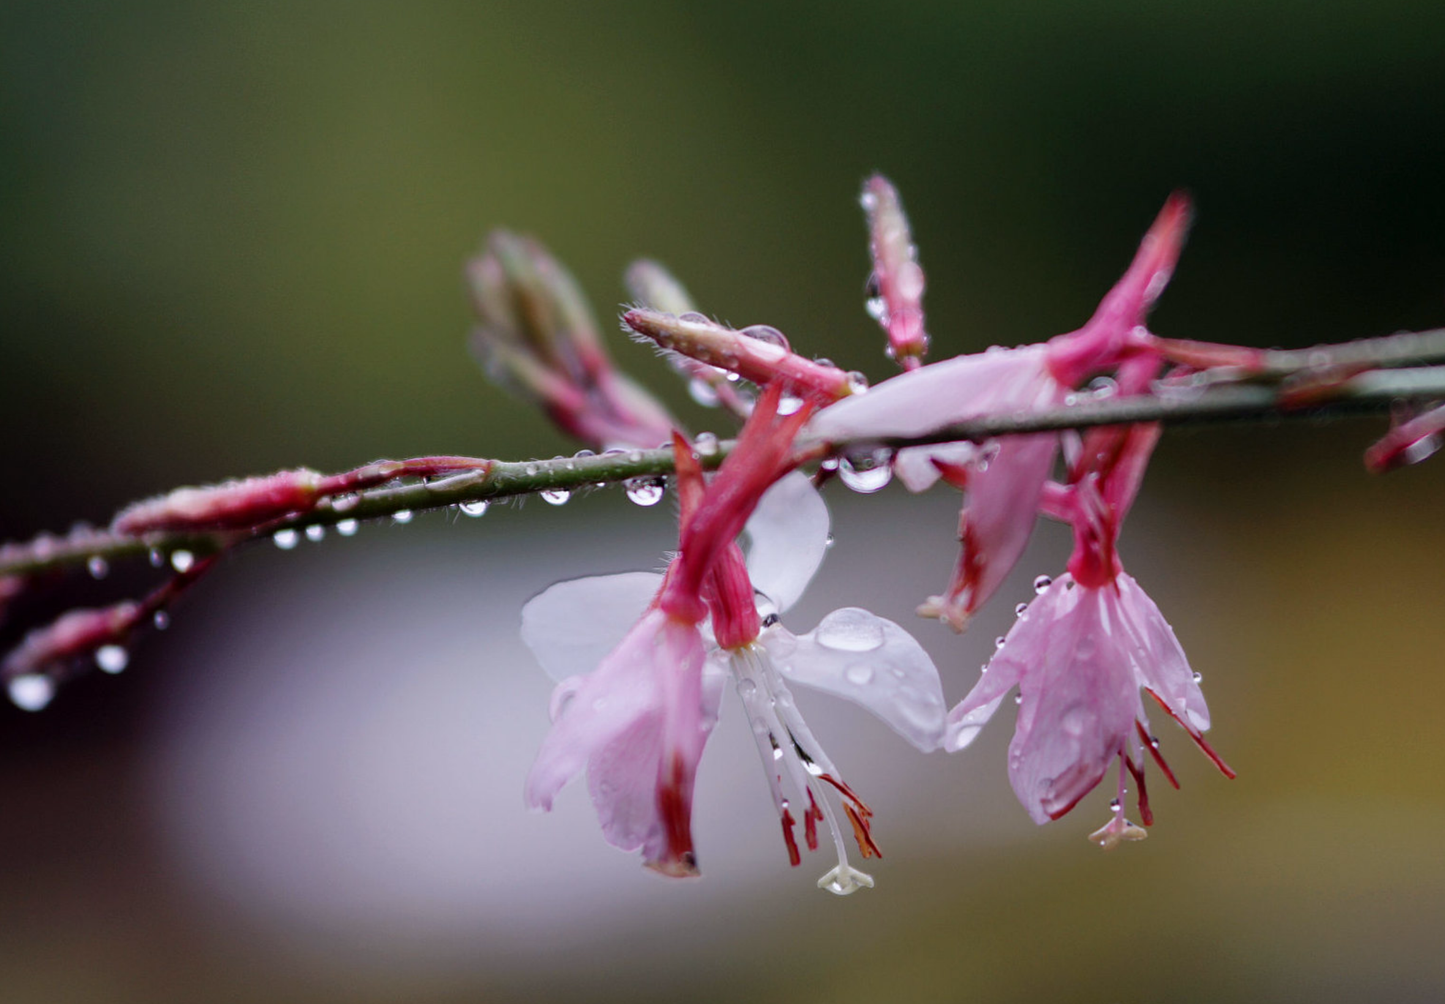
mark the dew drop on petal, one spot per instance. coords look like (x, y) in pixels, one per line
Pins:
(347, 527)
(401, 516)
(877, 308)
(1019, 610)
(1198, 677)
(285, 539)
(31, 691)
(999, 641)
(857, 382)
(182, 561)
(1042, 583)
(315, 532)
(1019, 698)
(556, 496)
(112, 658)
(850, 630)
(859, 673)
(98, 567)
(474, 509)
(645, 491)
(867, 474)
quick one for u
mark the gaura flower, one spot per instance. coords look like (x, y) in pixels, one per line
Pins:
(615, 719)
(1080, 655)
(1004, 479)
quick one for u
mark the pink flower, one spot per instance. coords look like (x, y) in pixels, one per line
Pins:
(635, 706)
(1004, 479)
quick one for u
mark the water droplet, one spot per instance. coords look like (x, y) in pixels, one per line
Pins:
(1042, 583)
(859, 673)
(1114, 804)
(344, 502)
(645, 491)
(857, 382)
(828, 542)
(532, 470)
(161, 620)
(746, 688)
(98, 566)
(474, 509)
(182, 561)
(868, 473)
(1019, 610)
(111, 658)
(868, 201)
(1103, 387)
(1018, 698)
(766, 333)
(831, 464)
(850, 630)
(705, 444)
(877, 308)
(315, 532)
(285, 539)
(634, 456)
(770, 620)
(157, 559)
(693, 317)
(789, 403)
(347, 527)
(701, 391)
(556, 496)
(402, 516)
(31, 691)
(1198, 677)
(999, 641)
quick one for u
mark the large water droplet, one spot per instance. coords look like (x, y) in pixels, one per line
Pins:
(402, 516)
(766, 333)
(1042, 583)
(474, 509)
(112, 658)
(859, 673)
(867, 473)
(1019, 610)
(31, 691)
(556, 496)
(315, 532)
(877, 308)
(693, 317)
(99, 568)
(645, 491)
(285, 539)
(857, 382)
(347, 527)
(789, 403)
(182, 561)
(850, 630)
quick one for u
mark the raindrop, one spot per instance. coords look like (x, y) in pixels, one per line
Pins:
(877, 308)
(98, 566)
(857, 382)
(347, 527)
(1103, 386)
(315, 532)
(1019, 698)
(532, 470)
(111, 658)
(850, 630)
(645, 491)
(999, 641)
(770, 620)
(789, 403)
(747, 688)
(31, 691)
(693, 317)
(344, 502)
(556, 496)
(1198, 677)
(859, 673)
(831, 464)
(634, 457)
(1019, 610)
(285, 539)
(705, 444)
(1114, 804)
(1042, 583)
(866, 474)
(766, 333)
(161, 620)
(474, 509)
(157, 559)
(182, 561)
(402, 516)
(868, 201)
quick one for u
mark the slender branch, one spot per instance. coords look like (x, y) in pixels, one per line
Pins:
(1371, 392)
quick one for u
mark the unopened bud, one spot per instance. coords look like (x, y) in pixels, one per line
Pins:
(895, 290)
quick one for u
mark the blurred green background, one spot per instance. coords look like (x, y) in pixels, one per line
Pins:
(232, 238)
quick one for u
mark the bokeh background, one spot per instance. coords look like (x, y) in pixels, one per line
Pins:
(232, 238)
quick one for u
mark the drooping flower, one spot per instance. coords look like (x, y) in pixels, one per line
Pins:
(613, 719)
(1080, 655)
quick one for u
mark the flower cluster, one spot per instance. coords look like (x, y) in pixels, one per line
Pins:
(641, 658)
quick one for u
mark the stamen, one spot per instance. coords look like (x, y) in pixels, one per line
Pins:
(794, 857)
(1146, 815)
(1198, 738)
(1152, 745)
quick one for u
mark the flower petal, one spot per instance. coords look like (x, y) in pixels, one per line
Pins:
(1157, 657)
(571, 626)
(787, 538)
(870, 661)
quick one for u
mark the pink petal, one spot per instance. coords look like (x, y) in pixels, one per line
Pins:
(1157, 658)
(571, 626)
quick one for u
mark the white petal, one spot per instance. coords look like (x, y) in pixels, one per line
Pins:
(870, 661)
(570, 626)
(787, 538)
(915, 468)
